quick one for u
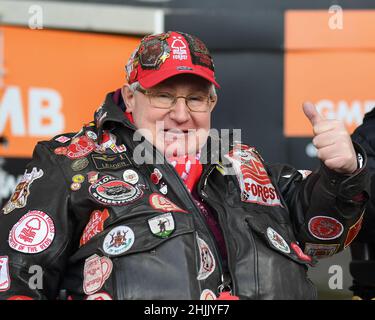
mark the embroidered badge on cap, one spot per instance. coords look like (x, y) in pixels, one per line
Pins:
(207, 260)
(277, 240)
(33, 233)
(207, 294)
(255, 185)
(159, 202)
(99, 296)
(321, 250)
(94, 226)
(162, 226)
(4, 274)
(79, 164)
(353, 231)
(118, 240)
(130, 176)
(22, 191)
(325, 228)
(110, 191)
(96, 271)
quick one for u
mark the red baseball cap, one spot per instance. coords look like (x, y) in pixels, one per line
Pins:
(161, 56)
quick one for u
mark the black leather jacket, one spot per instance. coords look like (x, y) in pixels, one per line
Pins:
(98, 232)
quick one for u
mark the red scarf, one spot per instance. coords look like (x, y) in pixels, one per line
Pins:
(188, 167)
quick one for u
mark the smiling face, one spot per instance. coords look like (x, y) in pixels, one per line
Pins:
(176, 131)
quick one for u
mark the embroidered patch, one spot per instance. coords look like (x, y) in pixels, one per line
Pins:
(152, 53)
(80, 147)
(61, 151)
(94, 226)
(99, 296)
(163, 188)
(353, 231)
(22, 191)
(207, 260)
(321, 250)
(162, 226)
(160, 202)
(33, 233)
(96, 271)
(92, 176)
(325, 228)
(79, 164)
(156, 176)
(130, 176)
(110, 191)
(118, 240)
(62, 139)
(109, 142)
(255, 185)
(207, 294)
(110, 162)
(4, 274)
(277, 240)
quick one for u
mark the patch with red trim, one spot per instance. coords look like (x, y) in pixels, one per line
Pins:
(162, 203)
(33, 233)
(20, 298)
(80, 147)
(207, 260)
(255, 184)
(94, 226)
(96, 271)
(99, 296)
(353, 232)
(4, 274)
(325, 228)
(298, 251)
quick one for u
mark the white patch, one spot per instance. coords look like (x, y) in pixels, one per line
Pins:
(91, 134)
(130, 176)
(62, 139)
(99, 296)
(179, 49)
(207, 294)
(164, 189)
(4, 274)
(256, 186)
(33, 233)
(305, 173)
(118, 240)
(162, 226)
(207, 260)
(96, 271)
(277, 240)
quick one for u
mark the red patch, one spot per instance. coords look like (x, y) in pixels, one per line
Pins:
(20, 298)
(94, 226)
(80, 147)
(300, 253)
(353, 231)
(325, 228)
(159, 202)
(61, 151)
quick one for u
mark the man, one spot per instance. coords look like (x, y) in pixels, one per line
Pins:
(234, 226)
(362, 265)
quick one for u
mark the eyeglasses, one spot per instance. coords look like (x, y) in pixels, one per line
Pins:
(165, 100)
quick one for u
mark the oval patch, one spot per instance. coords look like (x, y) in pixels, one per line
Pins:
(325, 228)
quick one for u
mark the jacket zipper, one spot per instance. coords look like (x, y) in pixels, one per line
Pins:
(204, 195)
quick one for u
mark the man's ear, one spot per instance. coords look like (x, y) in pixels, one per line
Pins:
(128, 97)
(213, 102)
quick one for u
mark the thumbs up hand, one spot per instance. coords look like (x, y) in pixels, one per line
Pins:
(332, 141)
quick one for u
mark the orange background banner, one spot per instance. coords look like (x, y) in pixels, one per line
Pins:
(331, 67)
(54, 81)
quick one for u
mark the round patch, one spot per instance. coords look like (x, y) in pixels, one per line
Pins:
(33, 233)
(75, 186)
(207, 294)
(79, 164)
(325, 228)
(99, 296)
(78, 178)
(277, 241)
(118, 240)
(110, 191)
(130, 176)
(91, 134)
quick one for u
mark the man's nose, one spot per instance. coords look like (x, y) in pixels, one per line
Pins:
(180, 112)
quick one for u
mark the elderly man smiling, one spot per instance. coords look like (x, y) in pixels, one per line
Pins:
(104, 225)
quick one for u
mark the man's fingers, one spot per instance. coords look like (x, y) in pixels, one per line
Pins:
(311, 113)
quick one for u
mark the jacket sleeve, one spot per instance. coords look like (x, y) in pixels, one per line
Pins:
(326, 208)
(35, 231)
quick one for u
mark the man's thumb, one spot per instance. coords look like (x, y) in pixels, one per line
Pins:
(311, 113)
